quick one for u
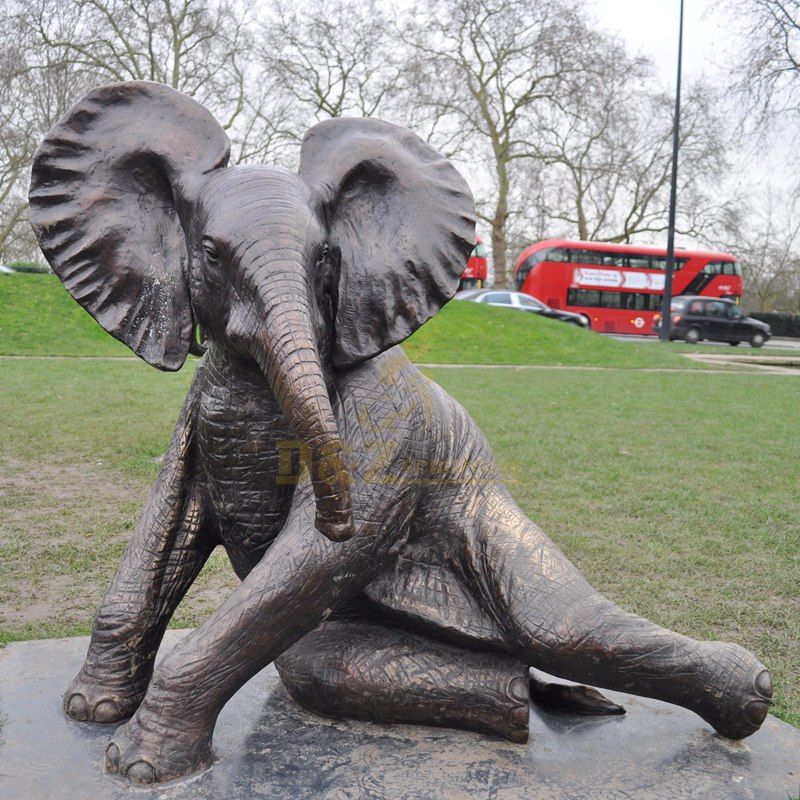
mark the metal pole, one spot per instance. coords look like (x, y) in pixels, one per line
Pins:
(666, 317)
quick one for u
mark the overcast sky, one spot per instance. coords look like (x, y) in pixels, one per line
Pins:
(651, 26)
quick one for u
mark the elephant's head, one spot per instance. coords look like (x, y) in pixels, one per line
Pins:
(138, 215)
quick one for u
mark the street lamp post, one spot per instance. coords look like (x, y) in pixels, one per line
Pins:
(666, 318)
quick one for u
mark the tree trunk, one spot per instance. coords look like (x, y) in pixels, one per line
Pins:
(501, 278)
(583, 233)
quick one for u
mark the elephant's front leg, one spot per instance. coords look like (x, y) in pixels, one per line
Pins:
(167, 550)
(300, 579)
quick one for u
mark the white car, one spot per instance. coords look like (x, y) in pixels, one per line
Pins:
(521, 302)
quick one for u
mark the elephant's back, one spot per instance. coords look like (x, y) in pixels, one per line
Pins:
(441, 428)
(460, 450)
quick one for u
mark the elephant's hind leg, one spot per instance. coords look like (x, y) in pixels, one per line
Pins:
(365, 670)
(565, 627)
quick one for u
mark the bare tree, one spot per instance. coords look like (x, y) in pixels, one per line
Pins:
(34, 92)
(482, 70)
(608, 149)
(765, 235)
(203, 48)
(330, 59)
(17, 136)
(768, 70)
(190, 45)
(54, 51)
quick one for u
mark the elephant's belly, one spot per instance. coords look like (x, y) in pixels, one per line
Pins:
(242, 447)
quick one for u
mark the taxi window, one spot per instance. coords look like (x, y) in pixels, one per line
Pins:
(716, 309)
(696, 307)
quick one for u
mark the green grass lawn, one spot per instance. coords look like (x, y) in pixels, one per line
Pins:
(78, 441)
(676, 493)
(38, 317)
(470, 333)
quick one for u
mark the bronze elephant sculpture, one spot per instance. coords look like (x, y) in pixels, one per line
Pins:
(397, 580)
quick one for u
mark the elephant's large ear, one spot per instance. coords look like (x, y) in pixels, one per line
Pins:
(403, 220)
(111, 183)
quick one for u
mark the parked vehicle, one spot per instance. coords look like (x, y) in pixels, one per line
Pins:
(474, 275)
(619, 287)
(698, 318)
(520, 301)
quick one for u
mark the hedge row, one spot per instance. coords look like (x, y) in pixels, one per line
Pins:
(781, 324)
(29, 266)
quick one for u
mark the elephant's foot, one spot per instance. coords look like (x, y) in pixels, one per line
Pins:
(148, 750)
(514, 706)
(738, 690)
(572, 699)
(90, 700)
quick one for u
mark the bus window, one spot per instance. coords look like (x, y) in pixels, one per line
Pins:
(660, 262)
(713, 268)
(587, 257)
(737, 270)
(479, 251)
(638, 301)
(728, 268)
(523, 271)
(637, 262)
(583, 297)
(528, 265)
(611, 299)
(630, 300)
(559, 254)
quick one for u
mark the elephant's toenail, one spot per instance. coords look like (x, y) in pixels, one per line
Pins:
(763, 684)
(518, 724)
(77, 708)
(106, 711)
(756, 711)
(112, 759)
(518, 690)
(519, 717)
(142, 773)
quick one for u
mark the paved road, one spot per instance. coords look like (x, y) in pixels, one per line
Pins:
(789, 345)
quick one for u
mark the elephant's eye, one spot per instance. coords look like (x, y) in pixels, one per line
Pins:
(210, 251)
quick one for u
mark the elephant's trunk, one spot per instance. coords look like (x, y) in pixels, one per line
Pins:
(287, 352)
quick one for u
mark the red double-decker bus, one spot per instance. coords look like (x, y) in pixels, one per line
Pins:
(619, 287)
(474, 275)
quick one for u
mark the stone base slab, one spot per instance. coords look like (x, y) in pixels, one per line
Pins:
(268, 747)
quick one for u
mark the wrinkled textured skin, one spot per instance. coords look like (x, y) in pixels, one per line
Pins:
(393, 577)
